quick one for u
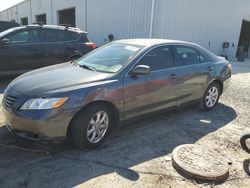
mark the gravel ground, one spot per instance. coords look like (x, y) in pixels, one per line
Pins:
(137, 154)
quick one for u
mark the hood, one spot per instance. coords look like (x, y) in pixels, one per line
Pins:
(40, 81)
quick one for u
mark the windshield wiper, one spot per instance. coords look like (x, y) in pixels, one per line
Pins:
(87, 67)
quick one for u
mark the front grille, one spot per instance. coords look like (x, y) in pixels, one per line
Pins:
(9, 101)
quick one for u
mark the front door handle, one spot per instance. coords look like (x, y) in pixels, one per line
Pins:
(172, 76)
(210, 68)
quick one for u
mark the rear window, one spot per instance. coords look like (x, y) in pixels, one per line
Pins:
(55, 35)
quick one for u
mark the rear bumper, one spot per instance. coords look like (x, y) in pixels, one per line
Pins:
(44, 125)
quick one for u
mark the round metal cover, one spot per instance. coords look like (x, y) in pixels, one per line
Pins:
(200, 163)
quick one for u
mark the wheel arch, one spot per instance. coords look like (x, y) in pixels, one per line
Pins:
(219, 82)
(114, 111)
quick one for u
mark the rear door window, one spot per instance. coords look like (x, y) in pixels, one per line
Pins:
(158, 58)
(186, 55)
(56, 35)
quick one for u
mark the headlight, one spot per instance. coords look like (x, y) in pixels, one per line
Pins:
(43, 104)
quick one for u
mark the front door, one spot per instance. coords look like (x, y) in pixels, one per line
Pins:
(155, 91)
(21, 53)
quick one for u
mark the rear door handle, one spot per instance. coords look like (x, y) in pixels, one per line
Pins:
(172, 76)
(210, 68)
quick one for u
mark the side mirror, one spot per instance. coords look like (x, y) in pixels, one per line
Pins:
(140, 70)
(4, 42)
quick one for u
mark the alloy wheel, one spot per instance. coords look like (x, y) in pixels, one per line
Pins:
(97, 127)
(212, 96)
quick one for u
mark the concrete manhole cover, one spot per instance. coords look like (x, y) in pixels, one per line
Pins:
(200, 163)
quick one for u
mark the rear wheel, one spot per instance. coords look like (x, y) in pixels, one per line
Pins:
(90, 127)
(210, 97)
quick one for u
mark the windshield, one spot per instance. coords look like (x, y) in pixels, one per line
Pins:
(6, 32)
(110, 58)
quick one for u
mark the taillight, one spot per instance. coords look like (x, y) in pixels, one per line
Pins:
(91, 45)
(229, 66)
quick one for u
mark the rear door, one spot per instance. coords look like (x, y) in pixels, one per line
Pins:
(22, 53)
(57, 45)
(147, 93)
(192, 73)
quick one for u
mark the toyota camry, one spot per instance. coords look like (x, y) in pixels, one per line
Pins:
(82, 100)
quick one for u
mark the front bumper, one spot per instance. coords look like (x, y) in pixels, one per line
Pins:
(45, 124)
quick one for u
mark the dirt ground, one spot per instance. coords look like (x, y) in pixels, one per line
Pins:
(138, 154)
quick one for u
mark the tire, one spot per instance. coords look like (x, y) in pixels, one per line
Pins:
(84, 127)
(243, 144)
(205, 105)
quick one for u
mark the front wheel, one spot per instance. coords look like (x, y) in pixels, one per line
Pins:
(90, 127)
(245, 142)
(210, 97)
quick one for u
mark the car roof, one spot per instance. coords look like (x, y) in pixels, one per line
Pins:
(51, 27)
(151, 42)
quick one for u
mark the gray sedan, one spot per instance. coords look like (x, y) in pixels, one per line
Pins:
(83, 99)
